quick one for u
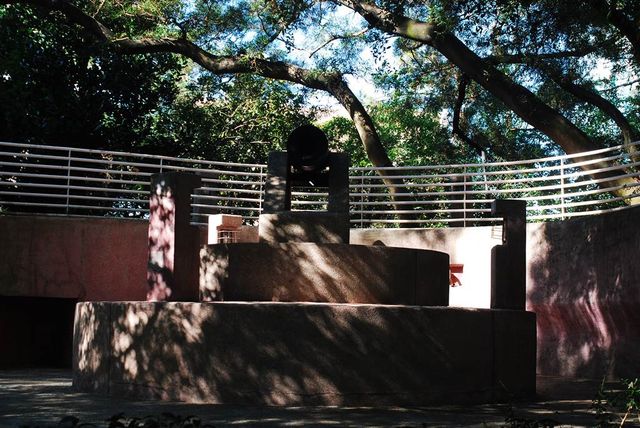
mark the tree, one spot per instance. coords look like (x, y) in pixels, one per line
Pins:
(61, 89)
(509, 72)
(411, 135)
(529, 107)
(331, 82)
(237, 120)
(58, 89)
(242, 63)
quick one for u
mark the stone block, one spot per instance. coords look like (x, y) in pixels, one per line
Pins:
(304, 226)
(508, 261)
(308, 272)
(302, 354)
(432, 282)
(173, 243)
(92, 348)
(338, 183)
(277, 188)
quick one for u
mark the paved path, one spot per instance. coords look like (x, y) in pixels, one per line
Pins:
(43, 397)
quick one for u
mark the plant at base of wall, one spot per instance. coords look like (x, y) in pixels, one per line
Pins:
(610, 404)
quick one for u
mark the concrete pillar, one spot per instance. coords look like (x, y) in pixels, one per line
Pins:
(338, 183)
(277, 189)
(508, 261)
(172, 269)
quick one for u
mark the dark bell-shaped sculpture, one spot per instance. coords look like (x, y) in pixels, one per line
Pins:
(308, 149)
(307, 163)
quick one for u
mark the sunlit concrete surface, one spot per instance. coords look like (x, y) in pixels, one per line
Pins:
(274, 353)
(321, 272)
(43, 397)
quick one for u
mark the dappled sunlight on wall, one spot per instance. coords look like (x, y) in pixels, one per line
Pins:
(584, 285)
(308, 272)
(161, 243)
(90, 362)
(297, 353)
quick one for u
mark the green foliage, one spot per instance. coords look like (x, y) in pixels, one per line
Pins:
(241, 120)
(411, 136)
(530, 30)
(57, 89)
(625, 401)
(343, 136)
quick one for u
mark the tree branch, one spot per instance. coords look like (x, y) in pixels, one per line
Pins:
(629, 134)
(456, 130)
(622, 85)
(529, 58)
(339, 37)
(333, 83)
(514, 96)
(329, 82)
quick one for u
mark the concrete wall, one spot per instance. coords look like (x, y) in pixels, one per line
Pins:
(78, 258)
(583, 278)
(86, 259)
(469, 246)
(583, 282)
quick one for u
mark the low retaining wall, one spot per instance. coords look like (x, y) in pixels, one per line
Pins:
(583, 279)
(86, 259)
(77, 258)
(330, 273)
(583, 282)
(303, 353)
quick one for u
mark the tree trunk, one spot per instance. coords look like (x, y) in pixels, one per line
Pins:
(332, 83)
(516, 97)
(629, 134)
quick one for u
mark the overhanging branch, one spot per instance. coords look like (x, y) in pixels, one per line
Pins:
(456, 130)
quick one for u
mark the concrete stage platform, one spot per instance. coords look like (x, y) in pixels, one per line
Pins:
(321, 272)
(303, 353)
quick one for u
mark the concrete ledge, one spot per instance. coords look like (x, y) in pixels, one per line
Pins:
(304, 226)
(337, 273)
(303, 354)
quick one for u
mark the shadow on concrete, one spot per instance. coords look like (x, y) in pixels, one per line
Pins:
(584, 287)
(338, 273)
(283, 354)
(36, 332)
(43, 397)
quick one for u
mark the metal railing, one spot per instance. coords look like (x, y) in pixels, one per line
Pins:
(69, 181)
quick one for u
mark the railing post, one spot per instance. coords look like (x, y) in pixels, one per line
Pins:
(464, 197)
(362, 202)
(68, 179)
(562, 201)
(261, 190)
(161, 164)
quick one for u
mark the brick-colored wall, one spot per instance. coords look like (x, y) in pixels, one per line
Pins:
(583, 282)
(583, 277)
(78, 258)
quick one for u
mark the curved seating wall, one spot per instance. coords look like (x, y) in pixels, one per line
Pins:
(331, 273)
